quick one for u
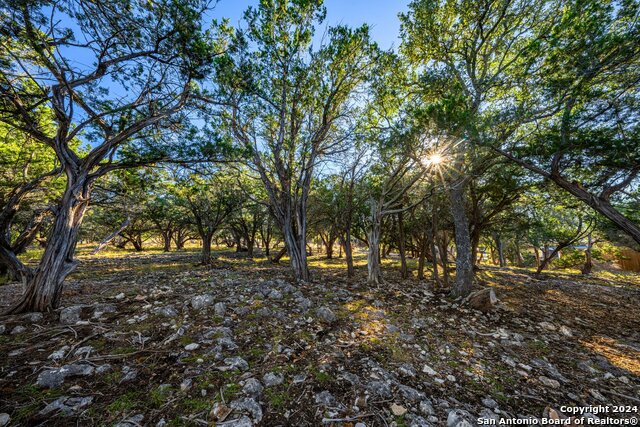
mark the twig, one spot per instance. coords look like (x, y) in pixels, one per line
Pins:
(74, 331)
(346, 419)
(624, 396)
(76, 345)
(118, 356)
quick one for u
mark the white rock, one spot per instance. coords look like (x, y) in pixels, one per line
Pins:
(398, 410)
(428, 370)
(192, 346)
(566, 331)
(548, 382)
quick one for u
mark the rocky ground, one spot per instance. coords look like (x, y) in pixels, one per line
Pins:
(158, 340)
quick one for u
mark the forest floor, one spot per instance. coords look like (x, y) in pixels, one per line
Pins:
(155, 339)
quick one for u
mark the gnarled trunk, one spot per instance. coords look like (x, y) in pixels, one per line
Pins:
(43, 286)
(297, 250)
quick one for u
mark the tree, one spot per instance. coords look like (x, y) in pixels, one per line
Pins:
(586, 80)
(464, 50)
(389, 183)
(211, 197)
(288, 104)
(123, 197)
(145, 60)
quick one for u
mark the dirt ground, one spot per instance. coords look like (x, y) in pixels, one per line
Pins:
(155, 339)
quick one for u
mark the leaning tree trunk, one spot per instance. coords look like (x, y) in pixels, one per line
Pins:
(601, 204)
(464, 262)
(137, 243)
(277, 257)
(111, 236)
(43, 288)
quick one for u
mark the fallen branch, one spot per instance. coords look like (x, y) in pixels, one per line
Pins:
(346, 419)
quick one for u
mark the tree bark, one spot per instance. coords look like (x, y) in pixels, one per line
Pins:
(296, 244)
(464, 262)
(348, 252)
(166, 240)
(421, 257)
(519, 257)
(404, 270)
(500, 249)
(276, 259)
(206, 248)
(43, 287)
(374, 273)
(111, 236)
(587, 268)
(444, 258)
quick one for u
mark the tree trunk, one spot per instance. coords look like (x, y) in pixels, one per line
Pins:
(206, 248)
(137, 243)
(110, 237)
(404, 270)
(297, 250)
(475, 244)
(549, 256)
(444, 258)
(500, 249)
(250, 246)
(432, 237)
(329, 247)
(374, 273)
(519, 257)
(464, 263)
(587, 268)
(601, 205)
(43, 288)
(276, 259)
(348, 252)
(166, 240)
(421, 257)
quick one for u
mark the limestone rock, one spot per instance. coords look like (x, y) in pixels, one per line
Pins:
(326, 315)
(55, 377)
(199, 302)
(272, 379)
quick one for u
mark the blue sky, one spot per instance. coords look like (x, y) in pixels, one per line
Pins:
(381, 15)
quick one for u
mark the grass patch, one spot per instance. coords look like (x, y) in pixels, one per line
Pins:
(125, 402)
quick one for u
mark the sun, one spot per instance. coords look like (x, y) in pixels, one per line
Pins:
(435, 159)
